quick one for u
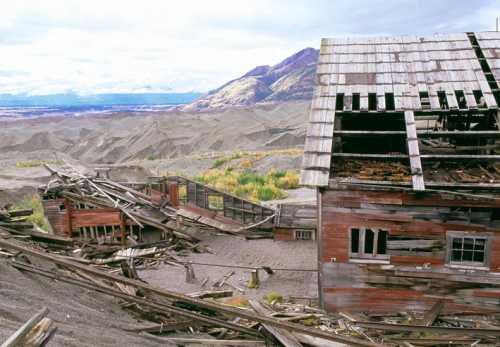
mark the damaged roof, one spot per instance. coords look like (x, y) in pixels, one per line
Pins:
(439, 96)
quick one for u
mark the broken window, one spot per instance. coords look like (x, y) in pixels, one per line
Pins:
(339, 102)
(355, 101)
(368, 243)
(462, 104)
(389, 102)
(467, 249)
(303, 235)
(478, 95)
(424, 100)
(215, 202)
(443, 101)
(372, 101)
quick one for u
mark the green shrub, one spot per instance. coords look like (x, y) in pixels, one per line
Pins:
(38, 216)
(273, 297)
(36, 163)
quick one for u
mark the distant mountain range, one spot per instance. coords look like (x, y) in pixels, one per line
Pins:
(74, 99)
(292, 79)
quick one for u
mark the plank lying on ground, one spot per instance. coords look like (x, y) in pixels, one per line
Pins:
(424, 329)
(156, 306)
(20, 334)
(211, 294)
(283, 336)
(164, 327)
(184, 298)
(204, 342)
(317, 341)
(40, 334)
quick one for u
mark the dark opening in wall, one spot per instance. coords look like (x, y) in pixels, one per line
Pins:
(367, 122)
(424, 100)
(382, 242)
(354, 240)
(372, 101)
(369, 237)
(462, 103)
(443, 101)
(355, 101)
(478, 95)
(339, 102)
(389, 102)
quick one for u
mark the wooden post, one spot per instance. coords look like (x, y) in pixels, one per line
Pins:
(69, 222)
(122, 229)
(173, 194)
(190, 276)
(254, 281)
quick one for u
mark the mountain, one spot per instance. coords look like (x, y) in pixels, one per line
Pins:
(292, 79)
(74, 99)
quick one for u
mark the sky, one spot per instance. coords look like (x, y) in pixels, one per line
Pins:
(108, 46)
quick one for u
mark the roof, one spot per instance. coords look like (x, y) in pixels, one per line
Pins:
(413, 78)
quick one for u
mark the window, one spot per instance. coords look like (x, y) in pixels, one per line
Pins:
(303, 235)
(215, 202)
(339, 103)
(355, 101)
(372, 101)
(465, 249)
(389, 101)
(369, 243)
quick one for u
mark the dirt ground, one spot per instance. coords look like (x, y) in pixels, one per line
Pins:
(83, 317)
(231, 250)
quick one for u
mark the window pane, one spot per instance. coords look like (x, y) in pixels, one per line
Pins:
(456, 255)
(468, 243)
(467, 256)
(457, 243)
(478, 257)
(369, 236)
(382, 242)
(479, 245)
(354, 240)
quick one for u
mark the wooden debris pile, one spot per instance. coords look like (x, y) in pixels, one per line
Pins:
(372, 170)
(472, 171)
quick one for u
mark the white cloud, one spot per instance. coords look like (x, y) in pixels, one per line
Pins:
(111, 46)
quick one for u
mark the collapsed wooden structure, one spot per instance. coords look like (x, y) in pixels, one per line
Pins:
(403, 149)
(97, 208)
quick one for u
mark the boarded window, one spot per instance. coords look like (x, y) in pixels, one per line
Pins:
(368, 243)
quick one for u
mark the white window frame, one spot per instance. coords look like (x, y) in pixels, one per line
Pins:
(298, 231)
(361, 255)
(451, 234)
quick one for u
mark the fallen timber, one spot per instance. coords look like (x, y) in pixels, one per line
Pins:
(173, 296)
(35, 332)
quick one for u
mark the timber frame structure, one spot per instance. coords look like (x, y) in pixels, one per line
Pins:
(403, 149)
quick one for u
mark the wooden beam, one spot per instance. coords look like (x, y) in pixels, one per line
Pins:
(283, 336)
(417, 176)
(19, 335)
(370, 155)
(203, 341)
(425, 329)
(431, 315)
(184, 298)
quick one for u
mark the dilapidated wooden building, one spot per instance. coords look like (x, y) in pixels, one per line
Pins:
(403, 148)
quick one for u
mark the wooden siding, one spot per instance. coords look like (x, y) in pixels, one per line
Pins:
(410, 279)
(56, 216)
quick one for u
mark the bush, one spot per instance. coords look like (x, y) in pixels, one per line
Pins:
(38, 216)
(36, 163)
(273, 297)
(248, 185)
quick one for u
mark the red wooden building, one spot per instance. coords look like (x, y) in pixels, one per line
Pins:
(403, 149)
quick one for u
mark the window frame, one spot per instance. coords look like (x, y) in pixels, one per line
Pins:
(361, 255)
(453, 234)
(301, 231)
